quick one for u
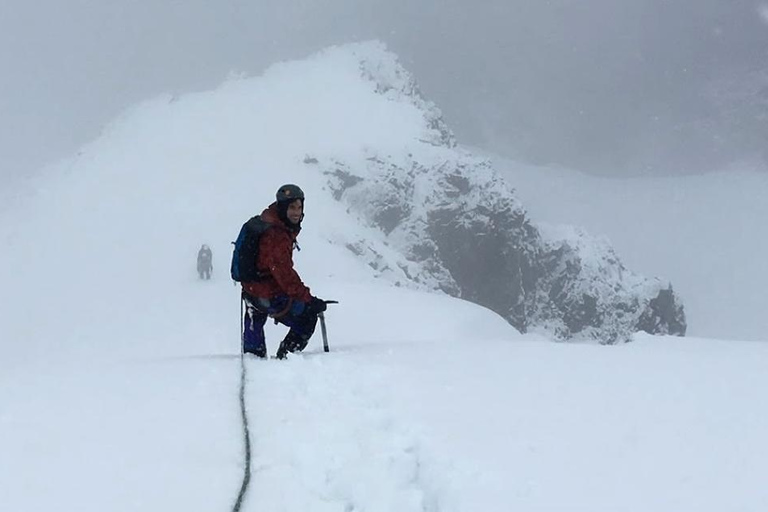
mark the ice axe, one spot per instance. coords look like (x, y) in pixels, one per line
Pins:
(321, 316)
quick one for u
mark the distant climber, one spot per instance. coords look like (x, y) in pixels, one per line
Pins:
(204, 262)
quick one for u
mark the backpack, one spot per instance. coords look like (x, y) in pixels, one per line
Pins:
(246, 251)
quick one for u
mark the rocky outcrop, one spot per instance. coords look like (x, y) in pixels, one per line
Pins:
(442, 219)
(457, 227)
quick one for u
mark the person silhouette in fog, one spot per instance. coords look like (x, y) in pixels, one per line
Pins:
(204, 262)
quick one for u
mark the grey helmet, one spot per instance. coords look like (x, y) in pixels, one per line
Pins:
(289, 193)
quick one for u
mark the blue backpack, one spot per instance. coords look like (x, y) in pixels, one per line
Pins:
(246, 252)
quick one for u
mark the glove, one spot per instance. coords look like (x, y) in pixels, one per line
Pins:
(316, 305)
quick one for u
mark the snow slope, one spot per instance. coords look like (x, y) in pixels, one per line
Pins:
(120, 370)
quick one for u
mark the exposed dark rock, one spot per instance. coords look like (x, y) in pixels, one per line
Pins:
(471, 238)
(664, 315)
(450, 223)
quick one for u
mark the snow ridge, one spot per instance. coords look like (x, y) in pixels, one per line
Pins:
(450, 222)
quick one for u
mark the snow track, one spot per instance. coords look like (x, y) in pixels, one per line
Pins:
(320, 444)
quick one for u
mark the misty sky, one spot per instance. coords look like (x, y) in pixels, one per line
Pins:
(611, 87)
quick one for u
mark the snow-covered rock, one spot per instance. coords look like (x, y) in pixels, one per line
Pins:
(449, 222)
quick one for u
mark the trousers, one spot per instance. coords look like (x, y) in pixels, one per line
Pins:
(297, 317)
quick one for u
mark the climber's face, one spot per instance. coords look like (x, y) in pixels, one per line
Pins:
(295, 211)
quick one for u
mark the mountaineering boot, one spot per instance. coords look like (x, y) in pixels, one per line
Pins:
(291, 343)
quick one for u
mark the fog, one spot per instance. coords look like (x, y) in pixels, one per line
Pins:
(615, 88)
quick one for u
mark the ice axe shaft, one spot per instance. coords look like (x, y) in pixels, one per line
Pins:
(321, 316)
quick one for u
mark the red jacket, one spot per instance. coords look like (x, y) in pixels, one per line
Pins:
(276, 261)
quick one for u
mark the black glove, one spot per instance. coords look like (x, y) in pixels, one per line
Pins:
(317, 305)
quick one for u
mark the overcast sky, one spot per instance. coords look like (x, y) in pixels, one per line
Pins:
(608, 87)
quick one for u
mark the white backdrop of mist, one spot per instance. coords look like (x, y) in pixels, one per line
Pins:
(617, 88)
